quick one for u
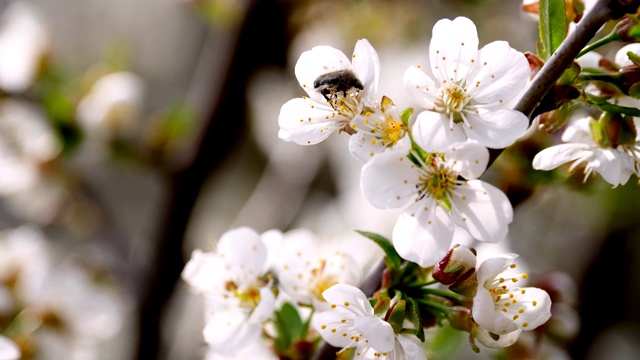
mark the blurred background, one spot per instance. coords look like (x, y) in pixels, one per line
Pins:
(132, 132)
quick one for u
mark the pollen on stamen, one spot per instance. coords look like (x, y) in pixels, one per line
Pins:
(525, 324)
(334, 330)
(346, 303)
(534, 303)
(524, 275)
(344, 334)
(521, 310)
(343, 320)
(333, 306)
(522, 291)
(514, 280)
(513, 266)
(323, 327)
(515, 317)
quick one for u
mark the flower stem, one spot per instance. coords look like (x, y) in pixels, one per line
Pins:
(613, 36)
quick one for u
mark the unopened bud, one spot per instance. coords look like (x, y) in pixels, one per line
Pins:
(460, 318)
(629, 77)
(458, 265)
(627, 29)
(620, 130)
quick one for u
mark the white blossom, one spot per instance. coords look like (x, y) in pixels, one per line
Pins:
(351, 323)
(112, 105)
(306, 265)
(238, 298)
(23, 43)
(468, 93)
(437, 199)
(501, 305)
(348, 85)
(615, 165)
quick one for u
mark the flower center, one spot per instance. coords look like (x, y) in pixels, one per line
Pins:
(438, 181)
(249, 296)
(452, 100)
(346, 104)
(321, 280)
(393, 131)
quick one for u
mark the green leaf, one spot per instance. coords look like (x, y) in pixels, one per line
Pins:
(553, 26)
(396, 319)
(289, 326)
(603, 104)
(392, 258)
(598, 134)
(413, 313)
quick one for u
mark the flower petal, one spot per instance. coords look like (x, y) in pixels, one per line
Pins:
(500, 73)
(377, 331)
(468, 159)
(265, 307)
(425, 237)
(410, 350)
(203, 270)
(306, 122)
(483, 210)
(366, 66)
(318, 61)
(496, 129)
(350, 298)
(554, 156)
(243, 252)
(491, 267)
(534, 307)
(8, 350)
(485, 314)
(228, 332)
(614, 166)
(420, 87)
(333, 326)
(388, 180)
(454, 45)
(432, 132)
(503, 340)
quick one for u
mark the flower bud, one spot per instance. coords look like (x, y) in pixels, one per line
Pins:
(627, 29)
(460, 318)
(618, 129)
(457, 266)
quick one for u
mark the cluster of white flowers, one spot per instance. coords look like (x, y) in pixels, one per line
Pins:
(239, 281)
(54, 309)
(465, 111)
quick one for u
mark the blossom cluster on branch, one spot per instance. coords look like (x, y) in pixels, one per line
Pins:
(429, 165)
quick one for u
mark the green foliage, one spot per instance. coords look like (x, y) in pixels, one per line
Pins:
(392, 258)
(289, 326)
(553, 27)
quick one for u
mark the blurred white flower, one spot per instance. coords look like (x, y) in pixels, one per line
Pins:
(8, 349)
(238, 297)
(351, 323)
(622, 58)
(61, 310)
(471, 88)
(337, 89)
(27, 145)
(23, 43)
(112, 105)
(257, 351)
(437, 199)
(501, 306)
(306, 265)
